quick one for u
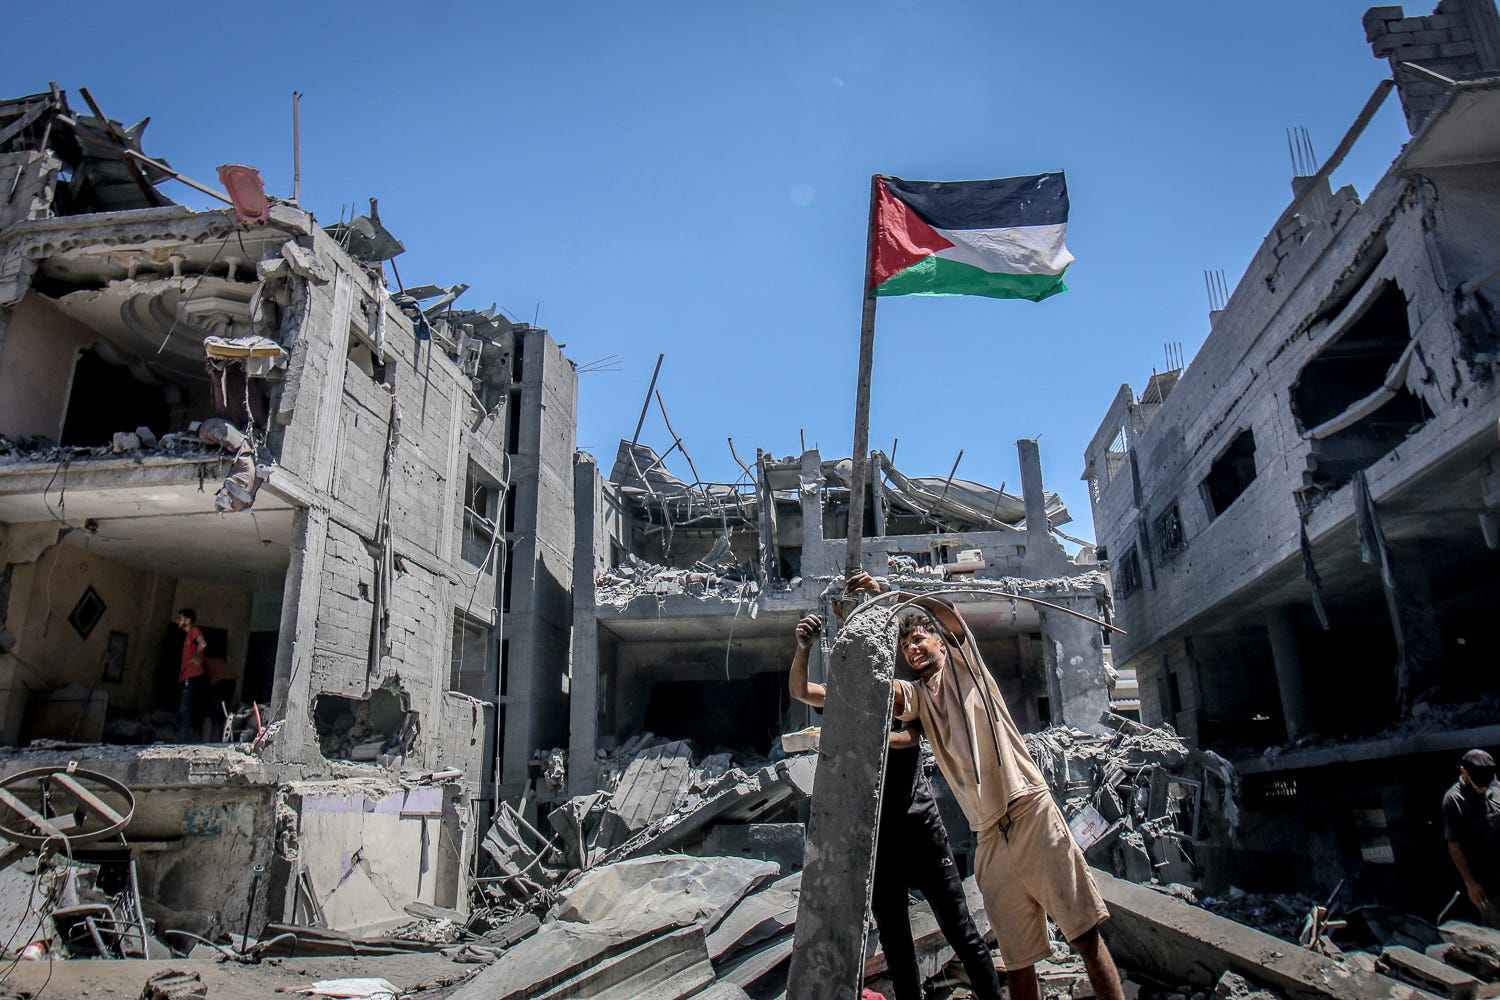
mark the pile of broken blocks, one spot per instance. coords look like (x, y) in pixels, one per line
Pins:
(1137, 798)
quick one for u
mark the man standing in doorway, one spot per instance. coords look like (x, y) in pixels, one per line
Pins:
(1028, 865)
(1471, 825)
(190, 674)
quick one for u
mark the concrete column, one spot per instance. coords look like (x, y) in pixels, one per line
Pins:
(583, 707)
(1073, 651)
(1286, 653)
(1031, 489)
(5, 313)
(1484, 32)
(828, 956)
(815, 561)
(291, 694)
(1414, 619)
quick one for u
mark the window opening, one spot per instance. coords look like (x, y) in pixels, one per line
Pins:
(1231, 474)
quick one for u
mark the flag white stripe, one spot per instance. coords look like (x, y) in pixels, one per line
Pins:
(1020, 250)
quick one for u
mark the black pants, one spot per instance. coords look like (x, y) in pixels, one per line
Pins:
(188, 703)
(913, 853)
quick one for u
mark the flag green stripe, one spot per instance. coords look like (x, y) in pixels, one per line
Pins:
(940, 276)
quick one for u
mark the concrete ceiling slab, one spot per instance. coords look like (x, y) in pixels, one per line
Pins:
(171, 528)
(1466, 129)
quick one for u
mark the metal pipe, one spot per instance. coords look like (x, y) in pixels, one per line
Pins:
(296, 147)
(647, 404)
(255, 874)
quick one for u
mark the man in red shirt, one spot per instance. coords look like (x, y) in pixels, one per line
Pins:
(190, 675)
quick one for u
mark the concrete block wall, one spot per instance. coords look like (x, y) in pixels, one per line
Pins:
(337, 422)
(1426, 232)
(1238, 381)
(1460, 40)
(538, 625)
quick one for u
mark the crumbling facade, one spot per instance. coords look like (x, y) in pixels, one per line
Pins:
(384, 463)
(1301, 526)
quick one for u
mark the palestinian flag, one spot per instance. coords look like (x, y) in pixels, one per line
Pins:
(1001, 238)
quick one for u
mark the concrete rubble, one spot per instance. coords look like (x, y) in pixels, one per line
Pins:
(503, 722)
(1137, 800)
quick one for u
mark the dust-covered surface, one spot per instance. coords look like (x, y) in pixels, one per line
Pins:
(840, 858)
(432, 977)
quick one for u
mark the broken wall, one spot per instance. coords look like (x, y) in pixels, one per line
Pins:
(370, 849)
(1311, 281)
(41, 345)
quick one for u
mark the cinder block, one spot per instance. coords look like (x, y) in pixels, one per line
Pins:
(1457, 50)
(1409, 24)
(1416, 53)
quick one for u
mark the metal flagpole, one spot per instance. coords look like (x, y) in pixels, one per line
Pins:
(861, 457)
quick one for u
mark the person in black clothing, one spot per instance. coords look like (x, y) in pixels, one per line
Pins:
(1471, 826)
(911, 852)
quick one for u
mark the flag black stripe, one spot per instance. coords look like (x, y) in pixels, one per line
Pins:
(1038, 200)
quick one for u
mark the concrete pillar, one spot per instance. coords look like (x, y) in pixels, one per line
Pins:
(1031, 489)
(1073, 651)
(5, 313)
(291, 687)
(828, 956)
(1286, 653)
(1414, 619)
(1484, 31)
(583, 708)
(816, 560)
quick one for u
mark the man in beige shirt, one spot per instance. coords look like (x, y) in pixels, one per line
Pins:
(1028, 866)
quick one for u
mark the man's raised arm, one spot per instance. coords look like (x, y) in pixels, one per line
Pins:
(797, 683)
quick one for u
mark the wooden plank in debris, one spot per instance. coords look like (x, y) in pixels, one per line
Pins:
(829, 957)
(1416, 968)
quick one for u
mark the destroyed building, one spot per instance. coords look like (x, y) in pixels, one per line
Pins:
(686, 594)
(1302, 524)
(232, 410)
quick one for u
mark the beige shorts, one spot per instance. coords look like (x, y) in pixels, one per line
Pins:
(1029, 867)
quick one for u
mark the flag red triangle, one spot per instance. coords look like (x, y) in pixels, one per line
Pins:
(901, 238)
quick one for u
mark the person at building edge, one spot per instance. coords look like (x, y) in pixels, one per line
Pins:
(1471, 826)
(191, 677)
(911, 852)
(1028, 866)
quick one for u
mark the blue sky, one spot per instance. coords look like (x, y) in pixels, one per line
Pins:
(693, 179)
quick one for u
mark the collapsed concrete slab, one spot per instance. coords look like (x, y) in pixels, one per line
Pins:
(662, 888)
(1167, 938)
(759, 916)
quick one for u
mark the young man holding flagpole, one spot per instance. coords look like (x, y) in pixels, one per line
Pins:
(1002, 238)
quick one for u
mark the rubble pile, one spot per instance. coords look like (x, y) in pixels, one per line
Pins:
(141, 441)
(1425, 717)
(1281, 915)
(638, 578)
(1138, 798)
(77, 909)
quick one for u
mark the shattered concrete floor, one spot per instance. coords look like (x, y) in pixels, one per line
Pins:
(431, 977)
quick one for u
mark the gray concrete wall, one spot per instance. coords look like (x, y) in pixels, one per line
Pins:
(1423, 230)
(1460, 40)
(538, 625)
